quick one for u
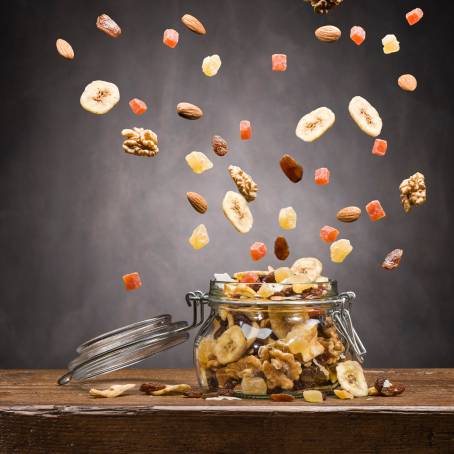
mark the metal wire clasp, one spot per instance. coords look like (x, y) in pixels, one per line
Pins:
(345, 326)
(197, 300)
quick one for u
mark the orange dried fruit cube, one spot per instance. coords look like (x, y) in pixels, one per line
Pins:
(322, 176)
(279, 62)
(132, 281)
(328, 234)
(245, 130)
(249, 278)
(357, 35)
(375, 210)
(170, 37)
(414, 16)
(380, 147)
(138, 106)
(258, 251)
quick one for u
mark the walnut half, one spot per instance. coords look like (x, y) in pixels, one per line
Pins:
(244, 183)
(140, 142)
(413, 191)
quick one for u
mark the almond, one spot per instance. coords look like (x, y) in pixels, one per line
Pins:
(197, 201)
(64, 49)
(348, 214)
(328, 33)
(107, 25)
(407, 82)
(291, 168)
(189, 111)
(193, 24)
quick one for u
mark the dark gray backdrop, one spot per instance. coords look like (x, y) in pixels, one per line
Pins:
(77, 213)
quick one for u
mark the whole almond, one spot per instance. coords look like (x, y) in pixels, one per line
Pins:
(328, 33)
(407, 82)
(64, 49)
(189, 111)
(348, 214)
(193, 24)
(291, 168)
(219, 145)
(197, 201)
(107, 25)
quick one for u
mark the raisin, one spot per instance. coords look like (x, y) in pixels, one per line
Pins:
(224, 324)
(281, 249)
(148, 388)
(256, 346)
(269, 278)
(192, 394)
(230, 383)
(242, 319)
(392, 260)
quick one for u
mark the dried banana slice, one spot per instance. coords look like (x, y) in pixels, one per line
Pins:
(237, 211)
(231, 345)
(311, 267)
(113, 391)
(351, 378)
(314, 124)
(99, 97)
(365, 116)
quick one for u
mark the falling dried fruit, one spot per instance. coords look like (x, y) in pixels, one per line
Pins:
(245, 130)
(392, 260)
(99, 97)
(112, 391)
(258, 251)
(407, 82)
(328, 234)
(390, 44)
(339, 250)
(170, 37)
(414, 16)
(64, 49)
(375, 210)
(314, 124)
(211, 65)
(291, 168)
(138, 106)
(237, 211)
(219, 145)
(313, 396)
(365, 116)
(197, 201)
(198, 162)
(132, 281)
(413, 191)
(322, 176)
(287, 218)
(342, 394)
(108, 26)
(279, 62)
(357, 35)
(380, 147)
(199, 237)
(281, 249)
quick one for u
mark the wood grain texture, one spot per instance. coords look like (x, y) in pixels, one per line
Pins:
(38, 416)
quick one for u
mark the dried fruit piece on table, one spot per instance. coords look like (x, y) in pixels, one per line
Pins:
(140, 142)
(281, 249)
(322, 176)
(388, 389)
(138, 106)
(314, 124)
(99, 97)
(328, 234)
(211, 65)
(407, 82)
(189, 111)
(64, 49)
(198, 162)
(197, 202)
(245, 130)
(414, 16)
(372, 391)
(287, 218)
(199, 237)
(132, 281)
(313, 396)
(258, 251)
(413, 191)
(112, 391)
(328, 34)
(365, 116)
(107, 25)
(380, 147)
(357, 35)
(172, 390)
(170, 37)
(279, 62)
(375, 210)
(148, 388)
(219, 145)
(244, 182)
(192, 394)
(231, 345)
(293, 171)
(323, 6)
(390, 44)
(392, 260)
(281, 397)
(237, 211)
(351, 378)
(193, 24)
(348, 214)
(253, 385)
(339, 250)
(342, 394)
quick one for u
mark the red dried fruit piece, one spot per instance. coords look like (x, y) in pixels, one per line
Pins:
(281, 249)
(258, 251)
(322, 176)
(392, 260)
(380, 147)
(279, 62)
(282, 397)
(132, 281)
(357, 35)
(375, 210)
(249, 277)
(414, 16)
(245, 130)
(328, 234)
(138, 106)
(170, 37)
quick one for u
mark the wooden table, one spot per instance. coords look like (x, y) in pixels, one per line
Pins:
(37, 416)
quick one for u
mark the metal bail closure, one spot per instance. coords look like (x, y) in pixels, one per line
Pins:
(131, 344)
(345, 325)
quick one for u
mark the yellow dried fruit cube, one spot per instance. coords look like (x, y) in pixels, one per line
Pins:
(390, 44)
(265, 291)
(198, 162)
(199, 237)
(287, 218)
(342, 394)
(339, 250)
(211, 65)
(313, 396)
(282, 273)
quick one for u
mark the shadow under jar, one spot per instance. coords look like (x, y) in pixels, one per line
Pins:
(262, 338)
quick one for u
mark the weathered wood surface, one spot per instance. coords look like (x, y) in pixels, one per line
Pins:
(37, 416)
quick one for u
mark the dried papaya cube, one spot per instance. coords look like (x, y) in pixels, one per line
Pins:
(249, 277)
(279, 62)
(328, 234)
(245, 130)
(132, 281)
(380, 147)
(375, 210)
(322, 176)
(258, 251)
(414, 16)
(138, 106)
(170, 37)
(357, 35)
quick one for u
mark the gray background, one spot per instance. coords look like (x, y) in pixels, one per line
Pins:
(77, 213)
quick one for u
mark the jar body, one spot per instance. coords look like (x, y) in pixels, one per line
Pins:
(260, 349)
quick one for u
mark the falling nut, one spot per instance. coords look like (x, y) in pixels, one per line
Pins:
(328, 34)
(64, 49)
(189, 111)
(219, 145)
(291, 168)
(193, 24)
(107, 25)
(407, 82)
(348, 214)
(197, 201)
(140, 142)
